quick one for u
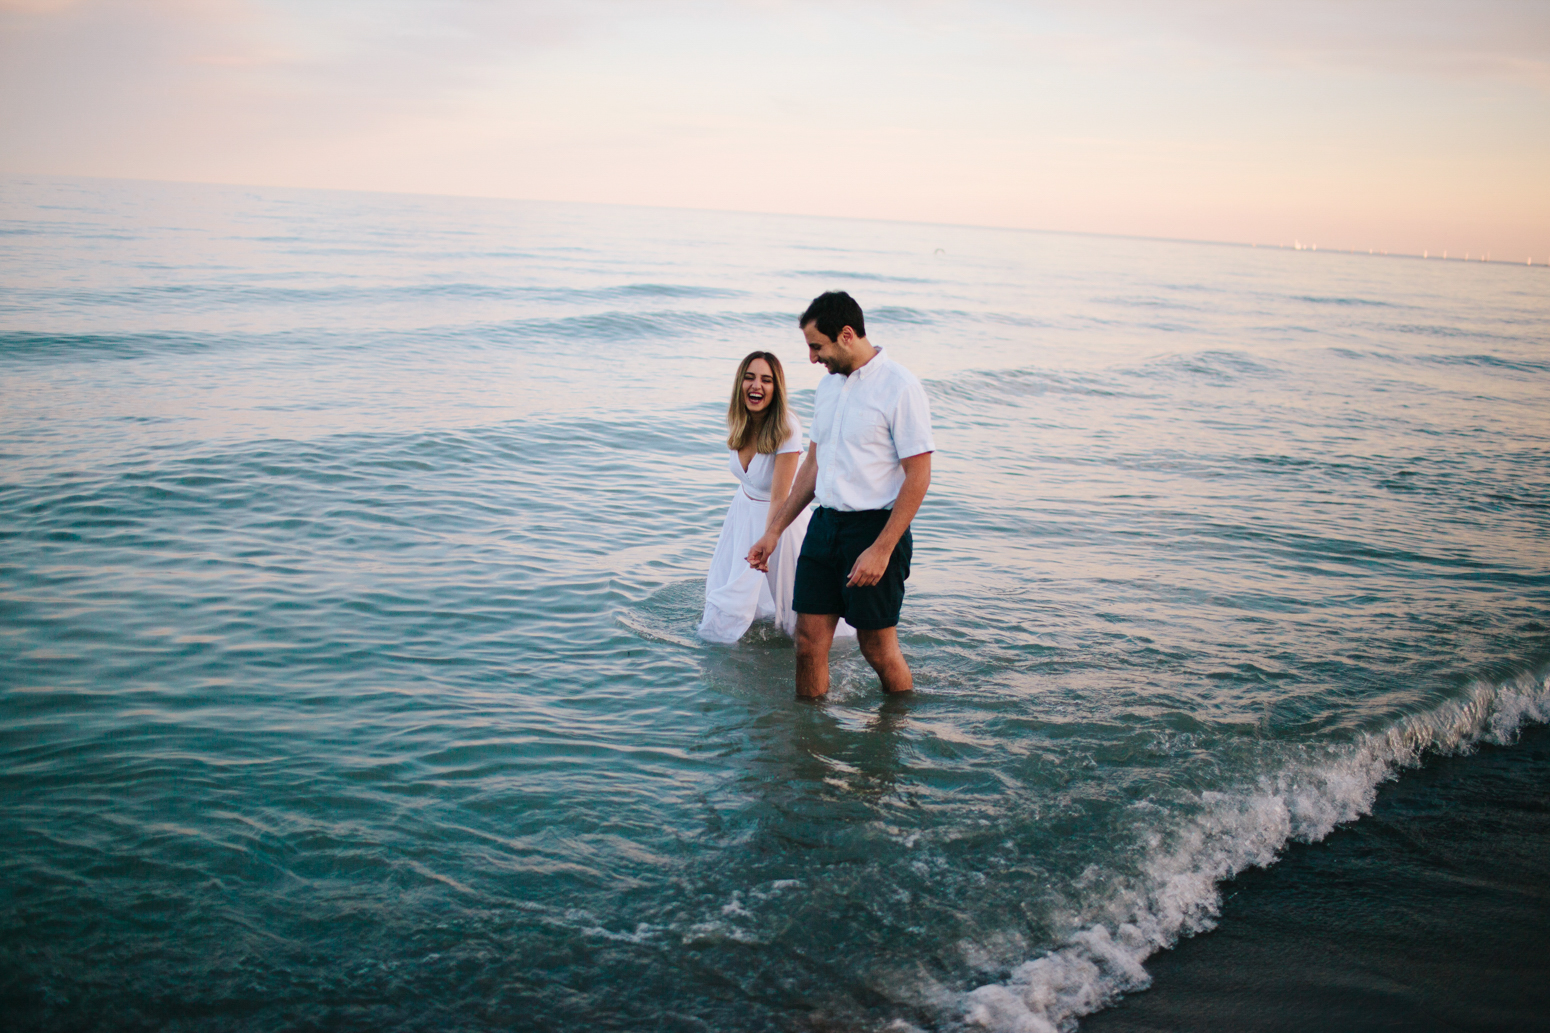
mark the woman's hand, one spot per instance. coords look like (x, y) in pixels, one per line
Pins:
(759, 555)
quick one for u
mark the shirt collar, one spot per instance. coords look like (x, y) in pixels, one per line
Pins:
(872, 365)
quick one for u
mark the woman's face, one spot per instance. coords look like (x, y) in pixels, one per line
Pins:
(758, 386)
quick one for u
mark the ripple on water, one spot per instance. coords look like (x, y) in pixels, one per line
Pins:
(400, 721)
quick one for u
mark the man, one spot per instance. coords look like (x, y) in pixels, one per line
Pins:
(868, 465)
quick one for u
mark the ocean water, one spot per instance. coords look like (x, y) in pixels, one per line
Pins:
(351, 549)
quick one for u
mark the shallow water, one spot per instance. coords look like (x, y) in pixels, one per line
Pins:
(351, 549)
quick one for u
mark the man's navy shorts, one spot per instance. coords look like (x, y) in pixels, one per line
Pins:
(834, 541)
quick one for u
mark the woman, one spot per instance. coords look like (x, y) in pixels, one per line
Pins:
(764, 442)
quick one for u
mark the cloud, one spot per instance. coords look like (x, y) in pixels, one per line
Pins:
(1224, 120)
(1506, 39)
(104, 71)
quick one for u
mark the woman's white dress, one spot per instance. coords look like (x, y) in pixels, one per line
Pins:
(736, 595)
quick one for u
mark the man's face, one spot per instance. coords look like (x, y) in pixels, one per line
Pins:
(827, 350)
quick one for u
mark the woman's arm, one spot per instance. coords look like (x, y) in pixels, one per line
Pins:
(780, 486)
(797, 498)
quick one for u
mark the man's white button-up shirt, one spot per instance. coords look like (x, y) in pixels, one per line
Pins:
(863, 425)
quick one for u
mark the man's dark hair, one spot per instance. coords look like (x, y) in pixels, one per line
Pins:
(833, 311)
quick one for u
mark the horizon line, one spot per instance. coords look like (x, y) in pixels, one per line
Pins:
(1254, 245)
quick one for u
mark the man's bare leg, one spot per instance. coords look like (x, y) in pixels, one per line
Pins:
(881, 649)
(815, 634)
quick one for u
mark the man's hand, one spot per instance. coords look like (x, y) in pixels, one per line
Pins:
(870, 566)
(873, 564)
(759, 555)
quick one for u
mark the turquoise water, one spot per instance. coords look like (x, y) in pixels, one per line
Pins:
(351, 548)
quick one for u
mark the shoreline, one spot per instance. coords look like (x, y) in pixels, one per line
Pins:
(1431, 913)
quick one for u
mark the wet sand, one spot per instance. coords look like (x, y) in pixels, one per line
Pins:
(1433, 913)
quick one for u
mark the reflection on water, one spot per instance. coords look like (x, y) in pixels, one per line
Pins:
(353, 547)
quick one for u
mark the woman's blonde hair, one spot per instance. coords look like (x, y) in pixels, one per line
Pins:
(768, 429)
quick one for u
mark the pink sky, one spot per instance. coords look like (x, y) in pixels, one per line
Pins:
(1395, 126)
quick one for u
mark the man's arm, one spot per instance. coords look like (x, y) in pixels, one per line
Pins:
(873, 563)
(802, 489)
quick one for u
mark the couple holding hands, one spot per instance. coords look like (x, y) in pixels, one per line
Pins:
(841, 569)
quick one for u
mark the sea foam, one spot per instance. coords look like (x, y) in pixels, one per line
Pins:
(1177, 894)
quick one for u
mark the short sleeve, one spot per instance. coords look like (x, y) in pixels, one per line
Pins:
(911, 426)
(793, 442)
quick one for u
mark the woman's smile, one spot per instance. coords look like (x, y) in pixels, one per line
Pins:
(758, 386)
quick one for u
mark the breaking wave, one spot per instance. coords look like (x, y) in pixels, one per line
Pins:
(1176, 893)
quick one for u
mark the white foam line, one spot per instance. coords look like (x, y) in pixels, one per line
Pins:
(640, 628)
(1177, 893)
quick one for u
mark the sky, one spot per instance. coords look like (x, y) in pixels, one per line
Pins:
(1394, 125)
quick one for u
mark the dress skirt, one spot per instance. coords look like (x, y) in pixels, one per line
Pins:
(736, 595)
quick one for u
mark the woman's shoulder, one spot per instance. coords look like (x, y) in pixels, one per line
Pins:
(793, 439)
